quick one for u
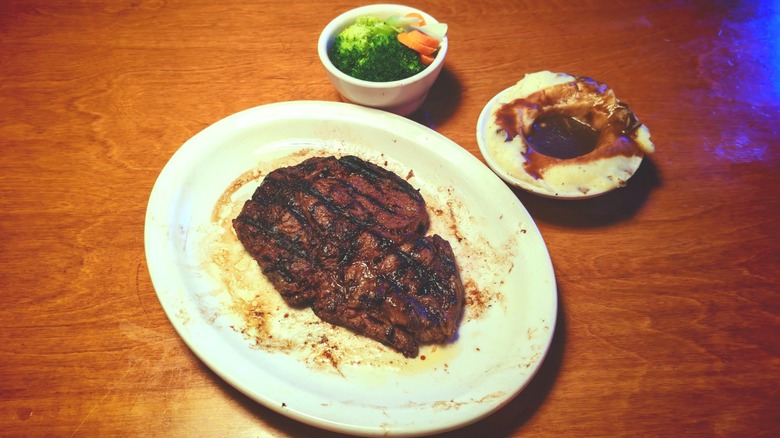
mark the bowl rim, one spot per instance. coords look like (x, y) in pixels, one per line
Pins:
(382, 10)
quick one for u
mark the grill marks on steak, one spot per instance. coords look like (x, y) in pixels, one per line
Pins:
(411, 293)
(347, 238)
(304, 220)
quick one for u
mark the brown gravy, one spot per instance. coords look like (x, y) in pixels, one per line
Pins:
(576, 122)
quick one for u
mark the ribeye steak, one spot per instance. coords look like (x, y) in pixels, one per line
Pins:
(348, 238)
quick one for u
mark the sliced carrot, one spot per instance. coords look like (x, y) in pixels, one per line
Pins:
(426, 59)
(409, 41)
(418, 16)
(424, 39)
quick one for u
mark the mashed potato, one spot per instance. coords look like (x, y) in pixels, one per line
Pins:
(509, 121)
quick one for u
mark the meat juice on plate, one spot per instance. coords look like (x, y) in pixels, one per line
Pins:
(257, 311)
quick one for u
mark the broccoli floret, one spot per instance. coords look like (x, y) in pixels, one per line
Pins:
(356, 36)
(370, 50)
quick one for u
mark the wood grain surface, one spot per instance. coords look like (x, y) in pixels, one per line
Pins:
(668, 322)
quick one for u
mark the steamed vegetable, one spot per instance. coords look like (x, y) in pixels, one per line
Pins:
(419, 42)
(379, 50)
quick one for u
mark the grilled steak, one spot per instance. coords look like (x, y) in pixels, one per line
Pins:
(347, 238)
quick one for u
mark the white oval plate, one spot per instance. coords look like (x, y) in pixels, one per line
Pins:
(317, 373)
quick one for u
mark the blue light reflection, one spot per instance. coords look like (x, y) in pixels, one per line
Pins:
(744, 65)
(772, 29)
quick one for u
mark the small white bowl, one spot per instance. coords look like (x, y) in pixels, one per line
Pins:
(401, 97)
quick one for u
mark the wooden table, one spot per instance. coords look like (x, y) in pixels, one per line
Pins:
(668, 321)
